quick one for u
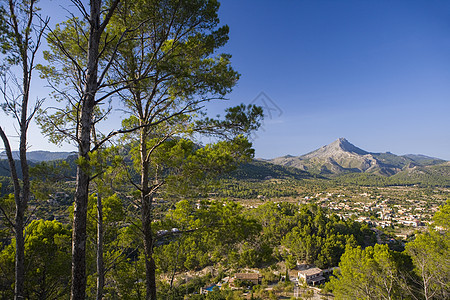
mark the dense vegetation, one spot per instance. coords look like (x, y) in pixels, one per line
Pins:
(263, 170)
(420, 272)
(190, 236)
(432, 176)
(142, 219)
(193, 233)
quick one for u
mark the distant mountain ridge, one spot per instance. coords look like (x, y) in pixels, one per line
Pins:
(342, 157)
(39, 155)
(261, 170)
(338, 158)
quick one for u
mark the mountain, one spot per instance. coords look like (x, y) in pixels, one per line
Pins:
(261, 170)
(33, 157)
(342, 157)
(38, 156)
(430, 174)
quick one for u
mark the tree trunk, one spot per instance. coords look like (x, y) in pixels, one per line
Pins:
(100, 263)
(18, 223)
(147, 218)
(150, 267)
(175, 267)
(425, 283)
(78, 289)
(21, 25)
(79, 236)
(22, 201)
(21, 194)
(20, 257)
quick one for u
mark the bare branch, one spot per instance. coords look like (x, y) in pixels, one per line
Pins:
(80, 6)
(12, 166)
(108, 16)
(7, 218)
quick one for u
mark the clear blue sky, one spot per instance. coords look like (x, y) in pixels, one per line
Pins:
(374, 72)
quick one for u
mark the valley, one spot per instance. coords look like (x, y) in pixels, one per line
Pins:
(167, 107)
(340, 177)
(370, 207)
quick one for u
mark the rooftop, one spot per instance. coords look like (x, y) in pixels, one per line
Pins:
(311, 271)
(247, 276)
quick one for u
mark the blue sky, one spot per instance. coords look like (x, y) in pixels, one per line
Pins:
(374, 72)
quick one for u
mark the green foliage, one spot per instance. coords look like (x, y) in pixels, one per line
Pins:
(48, 177)
(194, 168)
(370, 273)
(191, 288)
(277, 219)
(442, 217)
(238, 120)
(430, 254)
(261, 170)
(243, 283)
(318, 239)
(126, 279)
(307, 232)
(182, 168)
(6, 185)
(212, 232)
(8, 205)
(219, 295)
(113, 216)
(5, 33)
(47, 257)
(17, 45)
(436, 175)
(4, 168)
(252, 253)
(420, 272)
(244, 189)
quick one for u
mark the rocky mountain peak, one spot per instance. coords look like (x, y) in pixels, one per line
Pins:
(345, 145)
(341, 156)
(337, 147)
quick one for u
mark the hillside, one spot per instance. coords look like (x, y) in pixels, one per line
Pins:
(341, 160)
(342, 157)
(261, 170)
(4, 168)
(38, 156)
(433, 174)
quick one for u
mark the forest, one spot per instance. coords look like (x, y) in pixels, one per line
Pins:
(147, 202)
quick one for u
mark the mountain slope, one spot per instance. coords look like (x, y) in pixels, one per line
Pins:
(261, 170)
(342, 157)
(434, 174)
(38, 156)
